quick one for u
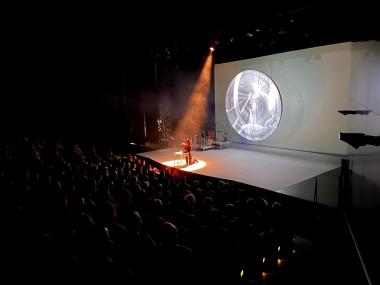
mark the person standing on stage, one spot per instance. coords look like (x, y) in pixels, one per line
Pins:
(187, 151)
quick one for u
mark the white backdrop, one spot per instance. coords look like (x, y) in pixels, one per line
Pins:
(314, 84)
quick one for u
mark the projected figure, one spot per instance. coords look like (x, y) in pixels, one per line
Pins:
(186, 149)
(253, 105)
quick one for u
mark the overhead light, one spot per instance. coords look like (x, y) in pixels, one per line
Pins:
(214, 44)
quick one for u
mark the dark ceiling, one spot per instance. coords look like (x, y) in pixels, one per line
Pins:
(241, 31)
(117, 35)
(265, 29)
(73, 65)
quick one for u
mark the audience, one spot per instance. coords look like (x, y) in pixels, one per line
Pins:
(72, 210)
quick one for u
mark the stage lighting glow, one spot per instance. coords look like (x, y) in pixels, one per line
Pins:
(181, 164)
(253, 105)
(280, 262)
(212, 48)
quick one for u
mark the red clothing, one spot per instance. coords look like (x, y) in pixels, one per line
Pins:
(187, 146)
(186, 149)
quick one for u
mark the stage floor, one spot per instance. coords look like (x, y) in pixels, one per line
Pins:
(272, 170)
(284, 171)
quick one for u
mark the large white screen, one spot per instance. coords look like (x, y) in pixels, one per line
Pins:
(253, 105)
(314, 84)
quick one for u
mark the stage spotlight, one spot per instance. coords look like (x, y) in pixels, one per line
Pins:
(354, 112)
(214, 43)
(357, 140)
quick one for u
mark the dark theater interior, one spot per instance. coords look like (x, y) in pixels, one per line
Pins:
(191, 143)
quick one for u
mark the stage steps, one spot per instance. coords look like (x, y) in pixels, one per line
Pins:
(222, 144)
(204, 147)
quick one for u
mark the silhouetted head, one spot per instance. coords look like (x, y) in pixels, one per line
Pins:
(134, 221)
(169, 233)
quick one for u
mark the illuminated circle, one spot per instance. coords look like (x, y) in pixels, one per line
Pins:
(253, 105)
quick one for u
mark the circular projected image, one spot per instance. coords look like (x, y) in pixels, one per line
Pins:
(253, 105)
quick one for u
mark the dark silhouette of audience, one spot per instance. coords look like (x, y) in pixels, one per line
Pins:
(72, 211)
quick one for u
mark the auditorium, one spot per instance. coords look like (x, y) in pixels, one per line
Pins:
(167, 143)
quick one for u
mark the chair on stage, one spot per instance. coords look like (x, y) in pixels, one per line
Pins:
(188, 158)
(178, 157)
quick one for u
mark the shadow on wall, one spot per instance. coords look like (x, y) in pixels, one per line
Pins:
(363, 219)
(292, 112)
(366, 192)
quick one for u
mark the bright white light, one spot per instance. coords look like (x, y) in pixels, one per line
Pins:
(174, 163)
(253, 105)
(181, 164)
(195, 166)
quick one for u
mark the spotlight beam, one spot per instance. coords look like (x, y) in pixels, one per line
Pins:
(196, 110)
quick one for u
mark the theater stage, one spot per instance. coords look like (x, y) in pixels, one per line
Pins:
(294, 173)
